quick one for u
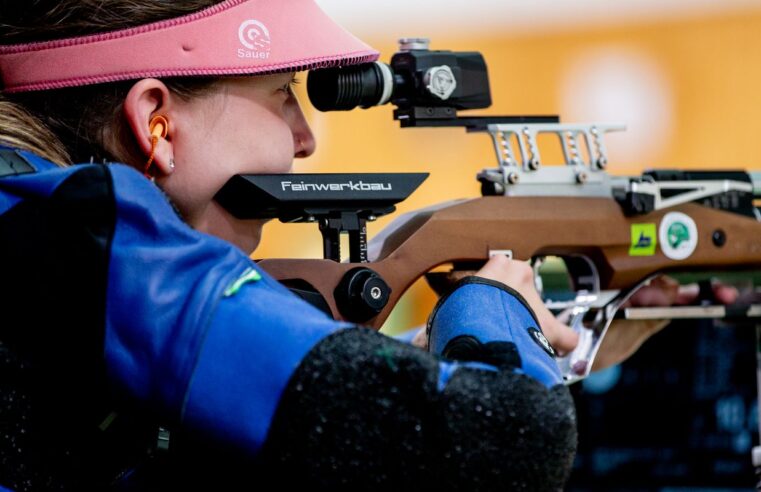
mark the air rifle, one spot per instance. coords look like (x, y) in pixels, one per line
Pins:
(613, 233)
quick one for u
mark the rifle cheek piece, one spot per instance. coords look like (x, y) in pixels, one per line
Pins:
(361, 295)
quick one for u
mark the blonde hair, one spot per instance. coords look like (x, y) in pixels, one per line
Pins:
(81, 123)
(19, 129)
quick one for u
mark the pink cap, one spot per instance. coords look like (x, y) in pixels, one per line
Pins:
(232, 37)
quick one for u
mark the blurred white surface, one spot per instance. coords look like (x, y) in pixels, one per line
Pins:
(428, 17)
(621, 85)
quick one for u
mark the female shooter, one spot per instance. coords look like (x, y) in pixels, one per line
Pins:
(129, 298)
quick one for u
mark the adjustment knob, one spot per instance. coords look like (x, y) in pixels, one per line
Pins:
(361, 295)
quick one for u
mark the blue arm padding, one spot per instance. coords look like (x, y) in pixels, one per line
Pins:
(492, 312)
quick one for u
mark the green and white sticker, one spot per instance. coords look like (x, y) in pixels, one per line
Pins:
(644, 239)
(678, 235)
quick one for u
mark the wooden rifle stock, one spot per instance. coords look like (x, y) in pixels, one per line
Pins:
(467, 230)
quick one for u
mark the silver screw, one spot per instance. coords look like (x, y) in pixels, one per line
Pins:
(372, 218)
(533, 150)
(601, 161)
(573, 147)
(375, 293)
(581, 177)
(507, 153)
(513, 178)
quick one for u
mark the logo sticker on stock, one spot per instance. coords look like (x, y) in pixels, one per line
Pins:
(678, 235)
(256, 38)
(643, 240)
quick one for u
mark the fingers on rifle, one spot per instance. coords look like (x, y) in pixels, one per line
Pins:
(687, 294)
(562, 338)
(725, 294)
(660, 291)
(722, 293)
(520, 276)
(510, 272)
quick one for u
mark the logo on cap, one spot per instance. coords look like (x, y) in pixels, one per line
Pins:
(256, 38)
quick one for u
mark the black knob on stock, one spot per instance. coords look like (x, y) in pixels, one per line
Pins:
(361, 295)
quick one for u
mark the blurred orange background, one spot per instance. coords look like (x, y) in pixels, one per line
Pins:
(687, 86)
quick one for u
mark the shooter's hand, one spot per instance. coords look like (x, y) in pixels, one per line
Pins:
(624, 337)
(520, 276)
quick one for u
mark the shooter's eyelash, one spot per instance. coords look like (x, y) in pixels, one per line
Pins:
(287, 87)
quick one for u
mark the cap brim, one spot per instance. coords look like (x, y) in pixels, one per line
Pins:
(233, 37)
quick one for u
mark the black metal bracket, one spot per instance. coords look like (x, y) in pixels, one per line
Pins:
(418, 116)
(332, 225)
(338, 203)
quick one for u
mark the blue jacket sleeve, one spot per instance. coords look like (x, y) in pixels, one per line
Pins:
(194, 330)
(193, 326)
(196, 327)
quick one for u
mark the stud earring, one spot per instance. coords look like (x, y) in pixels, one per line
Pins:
(171, 163)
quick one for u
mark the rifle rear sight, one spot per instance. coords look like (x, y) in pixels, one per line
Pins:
(523, 173)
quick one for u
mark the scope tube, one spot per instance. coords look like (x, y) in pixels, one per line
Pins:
(345, 88)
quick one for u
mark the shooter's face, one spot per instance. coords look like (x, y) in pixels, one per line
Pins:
(248, 125)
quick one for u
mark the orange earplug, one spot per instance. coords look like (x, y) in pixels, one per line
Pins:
(159, 127)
